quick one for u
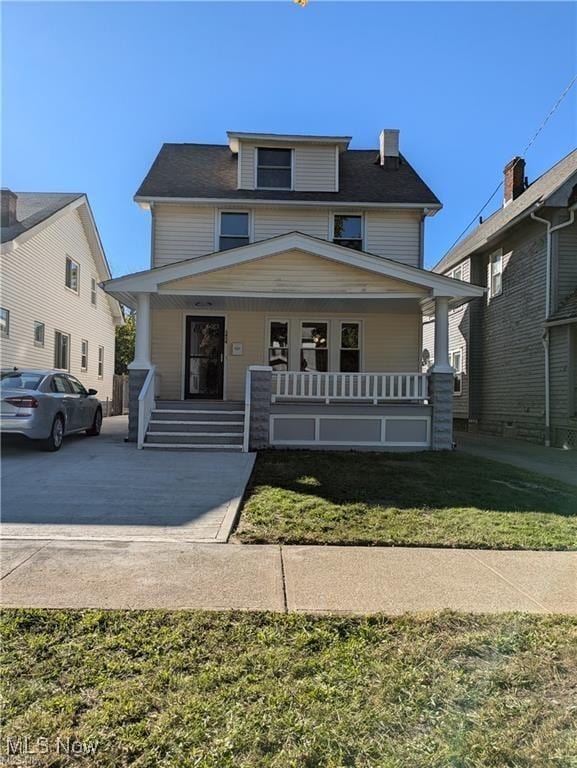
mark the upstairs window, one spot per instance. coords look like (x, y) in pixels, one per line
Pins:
(274, 169)
(233, 230)
(495, 273)
(93, 291)
(348, 231)
(83, 355)
(100, 362)
(457, 273)
(72, 273)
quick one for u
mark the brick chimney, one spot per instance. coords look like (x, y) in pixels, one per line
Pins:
(389, 148)
(514, 180)
(8, 207)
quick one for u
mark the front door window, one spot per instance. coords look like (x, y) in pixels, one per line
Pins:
(205, 357)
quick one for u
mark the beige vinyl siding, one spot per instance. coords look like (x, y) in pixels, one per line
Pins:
(390, 342)
(394, 235)
(293, 272)
(315, 169)
(33, 290)
(246, 159)
(182, 232)
(271, 222)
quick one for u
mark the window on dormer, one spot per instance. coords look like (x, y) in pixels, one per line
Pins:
(233, 230)
(348, 231)
(274, 168)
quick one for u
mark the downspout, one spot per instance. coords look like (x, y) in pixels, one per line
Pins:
(545, 338)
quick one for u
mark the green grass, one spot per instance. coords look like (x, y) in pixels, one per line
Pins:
(226, 690)
(426, 499)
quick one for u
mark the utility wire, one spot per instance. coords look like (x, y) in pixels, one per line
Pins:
(531, 141)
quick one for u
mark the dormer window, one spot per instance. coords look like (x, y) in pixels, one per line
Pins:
(274, 168)
(348, 231)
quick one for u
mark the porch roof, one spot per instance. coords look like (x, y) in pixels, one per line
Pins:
(417, 284)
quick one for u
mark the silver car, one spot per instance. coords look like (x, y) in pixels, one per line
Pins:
(46, 406)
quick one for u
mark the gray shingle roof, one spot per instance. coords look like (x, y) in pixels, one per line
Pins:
(541, 189)
(210, 171)
(567, 309)
(33, 208)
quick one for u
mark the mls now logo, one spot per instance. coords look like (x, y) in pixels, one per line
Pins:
(24, 746)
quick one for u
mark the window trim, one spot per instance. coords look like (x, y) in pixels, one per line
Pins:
(269, 322)
(100, 368)
(292, 169)
(340, 348)
(93, 291)
(458, 375)
(76, 290)
(5, 334)
(490, 295)
(39, 324)
(83, 354)
(357, 214)
(62, 333)
(219, 234)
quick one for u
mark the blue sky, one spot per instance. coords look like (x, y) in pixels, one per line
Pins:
(91, 90)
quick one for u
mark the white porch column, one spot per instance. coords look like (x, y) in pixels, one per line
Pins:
(441, 362)
(142, 342)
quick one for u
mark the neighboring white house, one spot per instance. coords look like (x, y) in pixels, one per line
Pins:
(300, 256)
(53, 313)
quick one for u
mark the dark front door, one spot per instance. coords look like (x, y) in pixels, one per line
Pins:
(204, 369)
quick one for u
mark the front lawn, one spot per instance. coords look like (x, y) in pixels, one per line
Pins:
(224, 690)
(426, 499)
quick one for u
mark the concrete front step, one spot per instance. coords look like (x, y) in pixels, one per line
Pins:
(202, 405)
(196, 427)
(197, 415)
(189, 438)
(192, 447)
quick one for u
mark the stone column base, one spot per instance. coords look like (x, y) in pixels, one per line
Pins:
(260, 397)
(441, 397)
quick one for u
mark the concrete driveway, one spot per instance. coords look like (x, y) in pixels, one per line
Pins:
(551, 462)
(102, 488)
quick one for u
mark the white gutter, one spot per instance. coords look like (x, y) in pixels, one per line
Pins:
(550, 230)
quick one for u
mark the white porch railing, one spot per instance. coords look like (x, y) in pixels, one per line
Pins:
(146, 403)
(330, 387)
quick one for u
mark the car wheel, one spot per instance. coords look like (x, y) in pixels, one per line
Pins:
(54, 441)
(96, 424)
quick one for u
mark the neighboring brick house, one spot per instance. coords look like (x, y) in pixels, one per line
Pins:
(515, 350)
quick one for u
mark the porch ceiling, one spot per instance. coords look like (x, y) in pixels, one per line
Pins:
(280, 304)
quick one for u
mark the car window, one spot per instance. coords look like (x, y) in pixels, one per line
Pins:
(77, 387)
(60, 385)
(20, 380)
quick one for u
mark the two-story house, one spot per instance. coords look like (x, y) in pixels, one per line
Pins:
(53, 312)
(515, 350)
(284, 297)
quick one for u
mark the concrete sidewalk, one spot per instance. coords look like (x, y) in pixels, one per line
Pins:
(357, 580)
(551, 462)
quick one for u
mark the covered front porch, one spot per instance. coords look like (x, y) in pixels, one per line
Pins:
(320, 345)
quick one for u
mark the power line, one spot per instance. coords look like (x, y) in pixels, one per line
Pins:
(531, 141)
